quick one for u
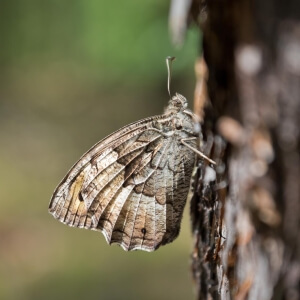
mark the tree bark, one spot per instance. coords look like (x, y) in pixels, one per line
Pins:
(245, 212)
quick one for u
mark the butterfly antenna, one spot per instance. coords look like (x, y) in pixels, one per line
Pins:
(169, 61)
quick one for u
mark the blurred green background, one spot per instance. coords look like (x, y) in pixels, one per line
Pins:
(71, 73)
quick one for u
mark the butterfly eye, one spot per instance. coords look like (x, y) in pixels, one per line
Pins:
(143, 230)
(177, 103)
(178, 126)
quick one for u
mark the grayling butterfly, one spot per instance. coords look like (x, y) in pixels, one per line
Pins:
(133, 185)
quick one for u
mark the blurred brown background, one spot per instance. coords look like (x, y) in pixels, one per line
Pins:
(71, 73)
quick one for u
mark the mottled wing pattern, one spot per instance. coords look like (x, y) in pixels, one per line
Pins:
(132, 186)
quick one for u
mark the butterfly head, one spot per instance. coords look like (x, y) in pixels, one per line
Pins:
(177, 103)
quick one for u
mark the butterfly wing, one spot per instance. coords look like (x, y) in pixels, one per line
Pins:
(132, 186)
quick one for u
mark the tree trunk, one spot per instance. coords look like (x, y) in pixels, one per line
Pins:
(245, 211)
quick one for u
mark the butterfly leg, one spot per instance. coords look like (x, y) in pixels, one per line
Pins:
(184, 142)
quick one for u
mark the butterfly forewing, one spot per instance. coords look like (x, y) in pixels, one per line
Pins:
(132, 186)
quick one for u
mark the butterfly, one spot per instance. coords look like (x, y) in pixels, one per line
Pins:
(133, 185)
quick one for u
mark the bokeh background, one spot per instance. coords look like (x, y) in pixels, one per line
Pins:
(71, 73)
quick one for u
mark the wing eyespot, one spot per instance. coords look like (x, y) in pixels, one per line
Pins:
(80, 197)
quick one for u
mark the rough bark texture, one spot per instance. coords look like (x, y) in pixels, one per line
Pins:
(245, 220)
